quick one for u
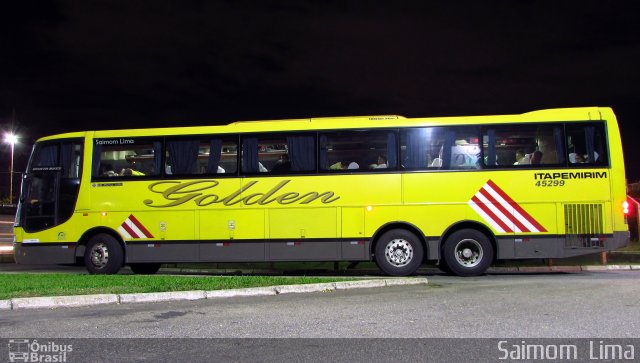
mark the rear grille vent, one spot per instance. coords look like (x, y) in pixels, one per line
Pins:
(584, 224)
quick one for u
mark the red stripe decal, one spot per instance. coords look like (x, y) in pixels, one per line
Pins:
(504, 211)
(129, 230)
(491, 215)
(516, 206)
(140, 226)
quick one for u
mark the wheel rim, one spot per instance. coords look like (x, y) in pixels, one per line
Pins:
(468, 253)
(99, 255)
(398, 252)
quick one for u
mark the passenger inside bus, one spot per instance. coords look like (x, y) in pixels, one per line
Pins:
(536, 157)
(381, 164)
(131, 172)
(520, 157)
(107, 170)
(343, 165)
(283, 165)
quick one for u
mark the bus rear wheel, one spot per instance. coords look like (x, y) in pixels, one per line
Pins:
(145, 268)
(398, 252)
(103, 255)
(467, 252)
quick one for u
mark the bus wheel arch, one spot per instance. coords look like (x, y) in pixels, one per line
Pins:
(398, 249)
(110, 239)
(467, 249)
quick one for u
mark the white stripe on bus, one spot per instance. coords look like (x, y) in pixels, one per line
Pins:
(506, 219)
(486, 217)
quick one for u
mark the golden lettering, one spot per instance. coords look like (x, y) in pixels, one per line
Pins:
(288, 198)
(177, 193)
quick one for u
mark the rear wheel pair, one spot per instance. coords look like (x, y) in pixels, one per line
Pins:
(104, 256)
(466, 252)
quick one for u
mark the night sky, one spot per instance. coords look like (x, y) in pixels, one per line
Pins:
(81, 65)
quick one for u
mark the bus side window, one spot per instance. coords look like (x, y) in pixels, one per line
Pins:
(125, 157)
(279, 154)
(522, 145)
(586, 144)
(200, 155)
(447, 148)
(359, 150)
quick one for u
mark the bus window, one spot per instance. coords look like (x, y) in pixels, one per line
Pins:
(448, 148)
(45, 155)
(371, 150)
(126, 157)
(201, 155)
(523, 145)
(279, 154)
(586, 144)
(71, 160)
(50, 187)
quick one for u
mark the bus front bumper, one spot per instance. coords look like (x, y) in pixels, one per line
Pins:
(44, 253)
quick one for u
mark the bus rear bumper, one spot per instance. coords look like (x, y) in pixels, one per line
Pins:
(559, 246)
(44, 253)
(619, 240)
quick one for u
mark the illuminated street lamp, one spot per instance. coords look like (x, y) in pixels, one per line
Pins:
(11, 138)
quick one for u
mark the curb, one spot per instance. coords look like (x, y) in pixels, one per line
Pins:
(537, 269)
(70, 301)
(295, 289)
(5, 304)
(161, 296)
(250, 291)
(89, 300)
(345, 285)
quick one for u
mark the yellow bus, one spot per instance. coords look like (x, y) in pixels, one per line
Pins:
(461, 192)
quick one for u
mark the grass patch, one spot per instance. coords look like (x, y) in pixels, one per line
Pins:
(633, 246)
(29, 285)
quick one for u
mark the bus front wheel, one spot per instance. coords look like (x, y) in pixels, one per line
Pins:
(467, 252)
(103, 255)
(398, 252)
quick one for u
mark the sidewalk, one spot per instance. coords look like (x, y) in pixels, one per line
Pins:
(101, 299)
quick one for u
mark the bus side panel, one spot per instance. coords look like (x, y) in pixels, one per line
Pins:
(354, 245)
(170, 236)
(310, 223)
(232, 235)
(150, 234)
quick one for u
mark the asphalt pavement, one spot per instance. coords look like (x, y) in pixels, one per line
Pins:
(581, 304)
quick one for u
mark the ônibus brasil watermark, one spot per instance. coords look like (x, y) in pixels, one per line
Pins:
(27, 350)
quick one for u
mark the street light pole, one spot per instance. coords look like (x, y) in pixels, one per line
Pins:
(11, 176)
(11, 139)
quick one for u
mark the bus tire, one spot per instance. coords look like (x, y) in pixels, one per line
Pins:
(398, 252)
(468, 252)
(144, 268)
(103, 255)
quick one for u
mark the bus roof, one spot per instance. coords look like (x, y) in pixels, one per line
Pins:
(382, 121)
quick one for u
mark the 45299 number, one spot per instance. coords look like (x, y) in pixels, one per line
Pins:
(550, 183)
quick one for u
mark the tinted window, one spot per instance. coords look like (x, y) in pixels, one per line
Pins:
(523, 145)
(371, 150)
(65, 156)
(202, 155)
(586, 144)
(45, 155)
(126, 157)
(279, 153)
(448, 148)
